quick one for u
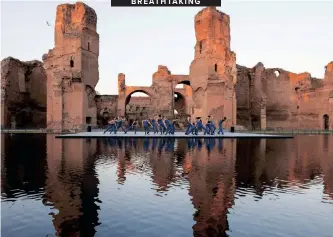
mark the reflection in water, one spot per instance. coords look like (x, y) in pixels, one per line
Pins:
(135, 187)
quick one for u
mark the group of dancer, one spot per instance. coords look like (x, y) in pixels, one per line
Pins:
(166, 126)
(209, 128)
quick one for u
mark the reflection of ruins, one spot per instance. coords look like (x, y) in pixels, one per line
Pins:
(71, 186)
(285, 163)
(255, 98)
(62, 173)
(212, 188)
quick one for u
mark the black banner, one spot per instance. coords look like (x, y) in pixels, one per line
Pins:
(165, 3)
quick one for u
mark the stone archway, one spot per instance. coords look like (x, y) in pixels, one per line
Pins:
(138, 107)
(180, 105)
(326, 122)
(183, 98)
(104, 116)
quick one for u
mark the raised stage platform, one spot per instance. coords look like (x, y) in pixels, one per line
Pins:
(180, 135)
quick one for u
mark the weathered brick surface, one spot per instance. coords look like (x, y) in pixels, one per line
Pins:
(72, 68)
(287, 100)
(213, 71)
(23, 102)
(260, 97)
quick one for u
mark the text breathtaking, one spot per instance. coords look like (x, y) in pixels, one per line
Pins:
(165, 2)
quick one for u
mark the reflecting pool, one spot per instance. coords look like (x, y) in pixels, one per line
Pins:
(166, 187)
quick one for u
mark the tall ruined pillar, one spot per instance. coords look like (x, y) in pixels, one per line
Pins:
(72, 67)
(259, 97)
(122, 95)
(163, 86)
(328, 80)
(213, 71)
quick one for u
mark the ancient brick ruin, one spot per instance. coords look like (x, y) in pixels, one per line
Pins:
(275, 98)
(72, 68)
(255, 98)
(23, 94)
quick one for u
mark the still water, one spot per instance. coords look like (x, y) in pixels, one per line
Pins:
(166, 187)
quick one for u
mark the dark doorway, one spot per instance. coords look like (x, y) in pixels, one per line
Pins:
(326, 122)
(88, 120)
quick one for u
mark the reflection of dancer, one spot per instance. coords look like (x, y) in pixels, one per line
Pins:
(161, 143)
(112, 142)
(209, 144)
(153, 145)
(145, 144)
(170, 145)
(220, 145)
(199, 144)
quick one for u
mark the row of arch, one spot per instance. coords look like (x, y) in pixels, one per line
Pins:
(180, 103)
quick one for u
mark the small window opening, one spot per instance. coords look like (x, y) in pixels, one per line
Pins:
(297, 107)
(71, 63)
(277, 73)
(215, 67)
(200, 46)
(88, 46)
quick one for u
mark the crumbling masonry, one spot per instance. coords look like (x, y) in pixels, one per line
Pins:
(254, 98)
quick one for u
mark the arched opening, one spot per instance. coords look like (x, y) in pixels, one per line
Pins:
(215, 67)
(71, 63)
(277, 73)
(138, 106)
(200, 47)
(103, 117)
(182, 100)
(179, 105)
(326, 122)
(88, 46)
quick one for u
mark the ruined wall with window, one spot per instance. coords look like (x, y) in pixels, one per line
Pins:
(281, 99)
(72, 69)
(23, 103)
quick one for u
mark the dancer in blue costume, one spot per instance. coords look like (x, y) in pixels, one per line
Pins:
(154, 123)
(146, 125)
(211, 125)
(220, 131)
(199, 125)
(168, 125)
(161, 124)
(207, 127)
(112, 126)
